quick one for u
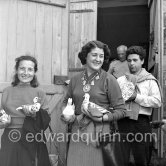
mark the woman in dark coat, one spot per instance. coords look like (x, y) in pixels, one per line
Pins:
(20, 144)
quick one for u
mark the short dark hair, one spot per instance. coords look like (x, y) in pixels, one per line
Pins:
(94, 44)
(136, 50)
(34, 82)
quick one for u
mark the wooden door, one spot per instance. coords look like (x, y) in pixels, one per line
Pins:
(83, 28)
(154, 34)
(37, 27)
(156, 57)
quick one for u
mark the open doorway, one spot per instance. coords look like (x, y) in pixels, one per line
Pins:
(126, 24)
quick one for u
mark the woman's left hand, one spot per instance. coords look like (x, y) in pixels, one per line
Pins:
(92, 111)
(104, 118)
(96, 119)
(28, 111)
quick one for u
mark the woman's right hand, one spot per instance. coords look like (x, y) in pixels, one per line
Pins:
(4, 124)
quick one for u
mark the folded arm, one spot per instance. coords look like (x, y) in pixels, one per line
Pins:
(152, 99)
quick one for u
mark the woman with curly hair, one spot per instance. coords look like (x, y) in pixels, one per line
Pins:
(108, 105)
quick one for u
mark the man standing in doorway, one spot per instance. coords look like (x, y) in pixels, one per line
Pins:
(147, 95)
(119, 67)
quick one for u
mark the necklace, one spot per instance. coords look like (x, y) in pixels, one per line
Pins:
(86, 88)
(88, 81)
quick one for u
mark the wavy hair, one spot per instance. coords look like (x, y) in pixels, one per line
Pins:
(82, 55)
(34, 83)
(136, 50)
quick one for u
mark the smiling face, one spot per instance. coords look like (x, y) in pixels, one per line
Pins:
(25, 71)
(95, 59)
(135, 63)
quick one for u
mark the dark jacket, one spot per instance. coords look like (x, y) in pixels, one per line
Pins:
(33, 138)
